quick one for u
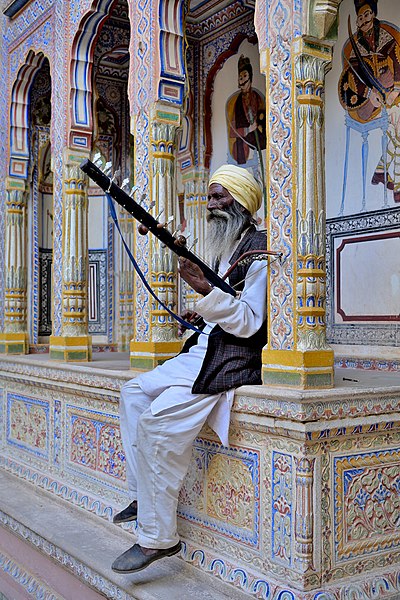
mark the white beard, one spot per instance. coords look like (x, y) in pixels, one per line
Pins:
(224, 228)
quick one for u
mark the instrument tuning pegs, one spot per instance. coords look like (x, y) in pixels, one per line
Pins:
(194, 243)
(116, 175)
(159, 214)
(125, 184)
(108, 168)
(177, 230)
(98, 159)
(133, 190)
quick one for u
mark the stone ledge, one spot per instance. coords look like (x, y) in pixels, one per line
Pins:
(86, 546)
(357, 393)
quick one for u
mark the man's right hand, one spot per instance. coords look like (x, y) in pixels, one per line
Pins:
(188, 315)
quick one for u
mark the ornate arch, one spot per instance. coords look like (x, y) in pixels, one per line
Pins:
(81, 73)
(19, 114)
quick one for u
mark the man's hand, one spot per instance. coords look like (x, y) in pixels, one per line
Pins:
(187, 315)
(194, 276)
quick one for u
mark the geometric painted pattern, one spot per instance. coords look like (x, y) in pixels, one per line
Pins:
(97, 292)
(221, 491)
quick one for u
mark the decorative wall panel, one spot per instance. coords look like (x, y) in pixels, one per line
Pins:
(28, 424)
(366, 503)
(376, 223)
(222, 491)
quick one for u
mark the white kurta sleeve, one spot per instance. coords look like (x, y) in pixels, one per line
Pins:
(242, 316)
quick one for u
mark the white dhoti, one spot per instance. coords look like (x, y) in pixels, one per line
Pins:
(160, 417)
(158, 450)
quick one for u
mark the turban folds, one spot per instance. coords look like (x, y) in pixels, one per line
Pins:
(241, 185)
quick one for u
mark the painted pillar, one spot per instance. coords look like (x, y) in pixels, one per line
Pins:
(162, 342)
(126, 283)
(14, 339)
(297, 353)
(74, 343)
(194, 207)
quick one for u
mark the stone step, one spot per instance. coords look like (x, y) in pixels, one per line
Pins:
(84, 546)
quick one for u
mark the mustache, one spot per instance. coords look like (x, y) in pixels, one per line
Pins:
(217, 213)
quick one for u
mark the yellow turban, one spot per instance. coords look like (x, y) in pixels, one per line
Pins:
(241, 185)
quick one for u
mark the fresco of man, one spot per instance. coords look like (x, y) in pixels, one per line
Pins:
(245, 111)
(379, 45)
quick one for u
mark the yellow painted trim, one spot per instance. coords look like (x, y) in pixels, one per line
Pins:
(14, 337)
(74, 191)
(311, 273)
(155, 347)
(64, 341)
(309, 99)
(166, 155)
(273, 359)
(311, 310)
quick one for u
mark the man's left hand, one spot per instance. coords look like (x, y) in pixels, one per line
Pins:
(194, 276)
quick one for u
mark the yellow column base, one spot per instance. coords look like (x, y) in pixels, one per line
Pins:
(71, 349)
(147, 355)
(14, 343)
(291, 368)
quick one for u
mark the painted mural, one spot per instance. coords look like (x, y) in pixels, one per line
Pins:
(368, 87)
(363, 178)
(362, 108)
(245, 116)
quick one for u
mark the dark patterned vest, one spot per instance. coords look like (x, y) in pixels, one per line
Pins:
(232, 361)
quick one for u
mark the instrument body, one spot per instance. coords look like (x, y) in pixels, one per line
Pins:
(146, 219)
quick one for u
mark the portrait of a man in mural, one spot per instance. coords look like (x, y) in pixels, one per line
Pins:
(245, 114)
(370, 84)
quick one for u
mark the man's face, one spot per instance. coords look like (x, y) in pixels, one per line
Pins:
(365, 19)
(244, 81)
(218, 197)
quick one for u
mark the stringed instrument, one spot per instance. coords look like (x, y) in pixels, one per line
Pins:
(148, 222)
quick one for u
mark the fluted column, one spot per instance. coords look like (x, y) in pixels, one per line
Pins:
(297, 352)
(163, 342)
(310, 209)
(14, 339)
(74, 344)
(304, 521)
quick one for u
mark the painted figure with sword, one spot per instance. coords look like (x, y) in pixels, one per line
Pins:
(370, 84)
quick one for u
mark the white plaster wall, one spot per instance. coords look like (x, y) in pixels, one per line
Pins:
(388, 10)
(360, 296)
(97, 222)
